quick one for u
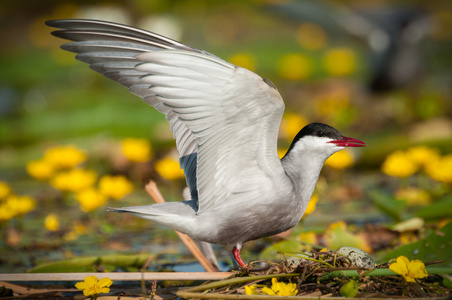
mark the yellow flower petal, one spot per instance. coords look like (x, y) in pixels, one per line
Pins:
(103, 290)
(80, 285)
(6, 213)
(244, 60)
(400, 266)
(91, 280)
(295, 66)
(105, 282)
(169, 168)
(75, 180)
(20, 205)
(416, 269)
(115, 187)
(64, 156)
(5, 190)
(250, 290)
(341, 160)
(52, 222)
(340, 61)
(423, 155)
(280, 289)
(440, 169)
(90, 200)
(268, 291)
(91, 286)
(40, 169)
(410, 270)
(413, 196)
(399, 164)
(311, 205)
(291, 124)
(136, 150)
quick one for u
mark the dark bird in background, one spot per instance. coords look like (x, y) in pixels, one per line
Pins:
(393, 35)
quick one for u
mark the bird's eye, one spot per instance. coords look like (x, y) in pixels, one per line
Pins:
(320, 133)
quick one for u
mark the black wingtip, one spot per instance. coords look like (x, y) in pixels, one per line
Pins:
(49, 23)
(113, 209)
(53, 23)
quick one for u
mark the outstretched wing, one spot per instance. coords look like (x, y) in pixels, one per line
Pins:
(225, 119)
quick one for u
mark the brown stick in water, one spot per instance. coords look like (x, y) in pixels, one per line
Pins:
(153, 191)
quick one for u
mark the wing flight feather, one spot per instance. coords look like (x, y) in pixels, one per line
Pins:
(225, 119)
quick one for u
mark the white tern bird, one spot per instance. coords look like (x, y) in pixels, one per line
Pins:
(225, 120)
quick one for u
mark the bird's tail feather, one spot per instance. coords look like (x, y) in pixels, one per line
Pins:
(177, 215)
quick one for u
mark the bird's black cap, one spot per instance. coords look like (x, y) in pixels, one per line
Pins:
(316, 129)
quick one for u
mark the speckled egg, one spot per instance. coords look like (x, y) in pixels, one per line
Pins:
(358, 257)
(294, 261)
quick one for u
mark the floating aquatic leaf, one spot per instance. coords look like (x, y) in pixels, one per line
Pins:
(437, 246)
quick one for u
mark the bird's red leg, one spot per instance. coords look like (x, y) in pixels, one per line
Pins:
(238, 258)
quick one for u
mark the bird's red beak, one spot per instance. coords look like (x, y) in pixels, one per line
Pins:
(348, 142)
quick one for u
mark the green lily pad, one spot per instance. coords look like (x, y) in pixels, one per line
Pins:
(438, 209)
(388, 204)
(92, 263)
(436, 246)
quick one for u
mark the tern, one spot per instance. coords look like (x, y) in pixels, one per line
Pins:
(225, 120)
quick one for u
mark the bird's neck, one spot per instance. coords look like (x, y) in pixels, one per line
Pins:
(303, 168)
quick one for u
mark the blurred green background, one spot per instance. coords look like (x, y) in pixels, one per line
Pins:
(379, 71)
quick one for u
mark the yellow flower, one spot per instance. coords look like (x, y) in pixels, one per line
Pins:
(115, 187)
(295, 66)
(280, 289)
(64, 156)
(309, 237)
(250, 290)
(90, 200)
(339, 61)
(341, 160)
(398, 164)
(413, 196)
(410, 270)
(423, 155)
(93, 287)
(440, 169)
(75, 180)
(5, 190)
(244, 60)
(136, 150)
(40, 169)
(15, 206)
(291, 125)
(311, 36)
(6, 213)
(169, 168)
(21, 205)
(52, 222)
(311, 205)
